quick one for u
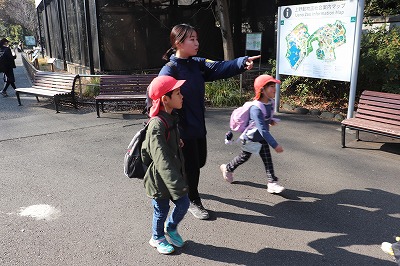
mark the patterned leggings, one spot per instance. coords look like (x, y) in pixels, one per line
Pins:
(265, 154)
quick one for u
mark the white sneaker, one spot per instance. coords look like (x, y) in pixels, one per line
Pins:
(274, 188)
(228, 176)
(387, 248)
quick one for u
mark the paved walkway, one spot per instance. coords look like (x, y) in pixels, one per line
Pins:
(65, 201)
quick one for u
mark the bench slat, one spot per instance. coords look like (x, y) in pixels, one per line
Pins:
(379, 119)
(44, 85)
(364, 102)
(379, 112)
(51, 89)
(42, 92)
(379, 100)
(123, 92)
(381, 94)
(121, 97)
(373, 125)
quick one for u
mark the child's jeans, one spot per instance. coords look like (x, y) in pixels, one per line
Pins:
(265, 154)
(161, 209)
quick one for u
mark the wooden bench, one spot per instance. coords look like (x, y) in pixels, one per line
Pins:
(51, 85)
(377, 113)
(114, 88)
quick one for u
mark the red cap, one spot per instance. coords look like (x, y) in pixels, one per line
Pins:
(260, 82)
(158, 88)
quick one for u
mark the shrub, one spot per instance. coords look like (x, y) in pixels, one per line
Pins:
(223, 93)
(93, 89)
(380, 60)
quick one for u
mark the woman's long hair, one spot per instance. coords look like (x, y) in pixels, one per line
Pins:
(178, 35)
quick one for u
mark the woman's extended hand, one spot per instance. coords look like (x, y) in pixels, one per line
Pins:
(250, 63)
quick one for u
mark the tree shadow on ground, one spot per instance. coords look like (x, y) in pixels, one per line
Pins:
(271, 257)
(358, 217)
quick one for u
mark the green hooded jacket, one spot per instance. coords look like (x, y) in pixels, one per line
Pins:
(165, 177)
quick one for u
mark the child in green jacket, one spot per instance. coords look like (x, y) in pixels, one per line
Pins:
(165, 177)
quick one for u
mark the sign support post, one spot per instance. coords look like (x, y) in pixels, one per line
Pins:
(356, 59)
(278, 86)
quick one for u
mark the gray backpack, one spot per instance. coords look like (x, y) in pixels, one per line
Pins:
(133, 164)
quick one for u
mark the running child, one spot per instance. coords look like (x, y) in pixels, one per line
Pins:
(264, 88)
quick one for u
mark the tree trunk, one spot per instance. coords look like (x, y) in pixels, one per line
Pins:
(226, 31)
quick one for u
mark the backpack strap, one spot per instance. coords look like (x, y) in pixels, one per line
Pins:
(167, 128)
(261, 106)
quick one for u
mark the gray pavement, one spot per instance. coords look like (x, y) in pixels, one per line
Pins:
(65, 200)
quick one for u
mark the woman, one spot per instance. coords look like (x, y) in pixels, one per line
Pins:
(196, 71)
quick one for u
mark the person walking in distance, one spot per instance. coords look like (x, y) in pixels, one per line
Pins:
(7, 64)
(183, 64)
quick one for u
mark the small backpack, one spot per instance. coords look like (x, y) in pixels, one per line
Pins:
(133, 164)
(240, 116)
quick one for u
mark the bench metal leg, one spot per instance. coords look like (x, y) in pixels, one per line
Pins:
(56, 100)
(358, 135)
(97, 109)
(74, 101)
(343, 136)
(19, 99)
(37, 98)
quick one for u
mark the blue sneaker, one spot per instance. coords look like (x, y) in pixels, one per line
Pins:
(162, 245)
(175, 238)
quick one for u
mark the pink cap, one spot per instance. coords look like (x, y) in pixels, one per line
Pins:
(158, 88)
(260, 82)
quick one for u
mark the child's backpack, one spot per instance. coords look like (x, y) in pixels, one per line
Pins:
(133, 164)
(240, 116)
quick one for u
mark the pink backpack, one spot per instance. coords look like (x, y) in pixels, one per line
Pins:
(240, 116)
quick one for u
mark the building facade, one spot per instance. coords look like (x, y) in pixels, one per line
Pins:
(127, 36)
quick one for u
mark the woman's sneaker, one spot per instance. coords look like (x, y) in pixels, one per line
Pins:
(274, 188)
(175, 238)
(198, 211)
(162, 245)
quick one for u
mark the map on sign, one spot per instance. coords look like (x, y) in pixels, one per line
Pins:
(317, 40)
(300, 42)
